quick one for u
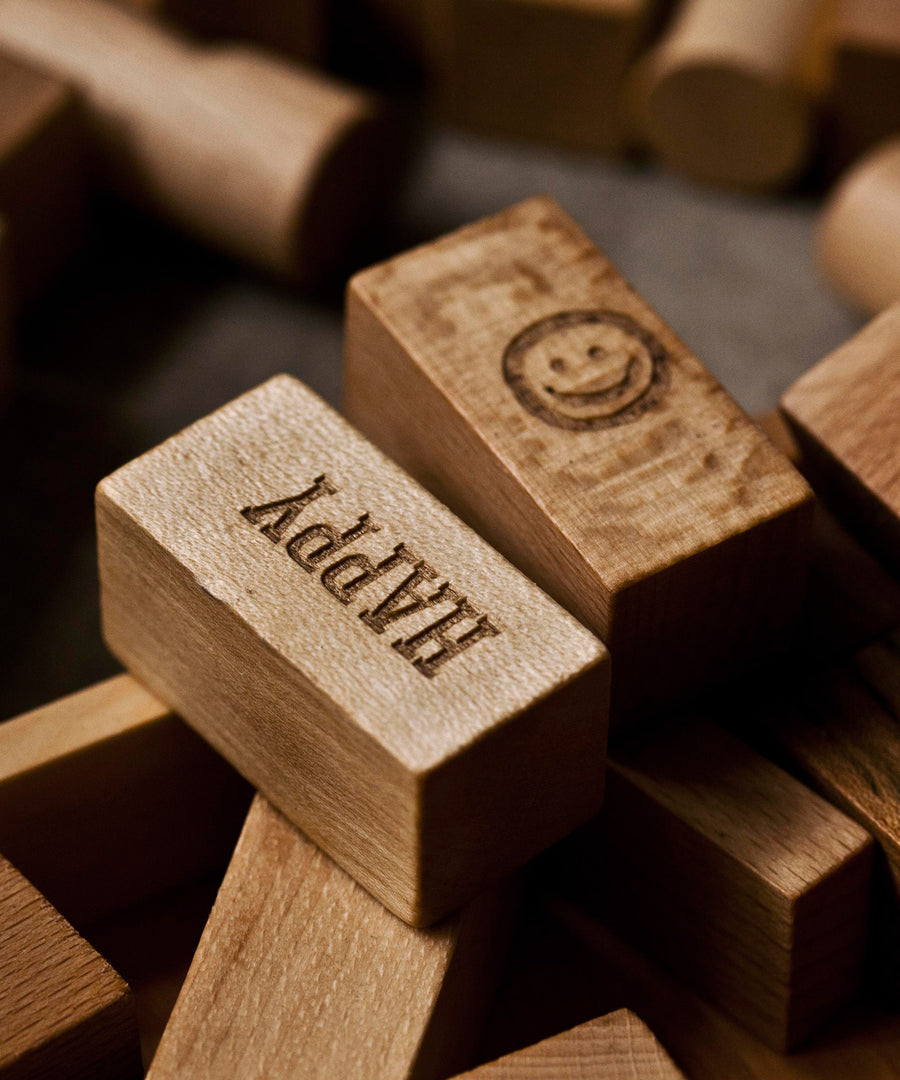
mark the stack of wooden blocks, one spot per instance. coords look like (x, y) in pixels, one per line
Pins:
(545, 642)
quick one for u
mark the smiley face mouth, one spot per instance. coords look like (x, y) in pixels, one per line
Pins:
(597, 390)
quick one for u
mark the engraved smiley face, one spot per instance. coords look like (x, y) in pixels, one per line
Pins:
(584, 370)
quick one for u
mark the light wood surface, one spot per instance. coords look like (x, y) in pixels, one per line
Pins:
(647, 503)
(271, 162)
(860, 229)
(864, 101)
(300, 973)
(539, 69)
(846, 414)
(749, 886)
(64, 1012)
(727, 97)
(107, 799)
(43, 173)
(403, 694)
(618, 1046)
(707, 1045)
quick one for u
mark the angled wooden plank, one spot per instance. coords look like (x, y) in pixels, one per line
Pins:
(64, 1012)
(301, 973)
(401, 692)
(749, 886)
(846, 415)
(618, 1046)
(511, 369)
(107, 799)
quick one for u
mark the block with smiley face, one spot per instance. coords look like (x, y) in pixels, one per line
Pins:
(512, 370)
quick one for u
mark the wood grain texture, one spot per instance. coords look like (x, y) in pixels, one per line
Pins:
(301, 973)
(270, 162)
(618, 1046)
(403, 694)
(651, 507)
(749, 886)
(846, 414)
(539, 69)
(43, 173)
(860, 229)
(107, 799)
(728, 94)
(64, 1012)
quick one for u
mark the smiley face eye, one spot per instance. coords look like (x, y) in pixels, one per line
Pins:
(597, 352)
(557, 364)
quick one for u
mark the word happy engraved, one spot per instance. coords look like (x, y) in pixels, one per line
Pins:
(313, 547)
(585, 370)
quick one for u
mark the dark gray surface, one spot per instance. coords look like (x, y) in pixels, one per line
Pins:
(147, 333)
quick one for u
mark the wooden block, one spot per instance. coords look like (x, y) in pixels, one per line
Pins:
(107, 799)
(618, 1046)
(417, 706)
(846, 414)
(746, 884)
(537, 69)
(64, 1012)
(512, 370)
(864, 102)
(301, 973)
(728, 96)
(860, 229)
(43, 173)
(270, 162)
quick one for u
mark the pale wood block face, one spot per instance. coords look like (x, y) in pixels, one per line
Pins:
(846, 414)
(614, 1047)
(403, 694)
(511, 369)
(752, 888)
(107, 799)
(301, 973)
(63, 1010)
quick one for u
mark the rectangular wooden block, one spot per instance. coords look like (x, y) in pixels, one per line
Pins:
(107, 799)
(43, 173)
(618, 1046)
(399, 691)
(540, 69)
(301, 973)
(512, 370)
(845, 413)
(749, 886)
(64, 1012)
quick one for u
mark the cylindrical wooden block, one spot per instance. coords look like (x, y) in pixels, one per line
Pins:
(859, 233)
(724, 99)
(268, 161)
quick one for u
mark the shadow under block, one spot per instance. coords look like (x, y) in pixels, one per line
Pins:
(539, 69)
(845, 412)
(419, 708)
(271, 162)
(64, 1012)
(614, 1047)
(107, 800)
(43, 173)
(301, 973)
(513, 371)
(748, 885)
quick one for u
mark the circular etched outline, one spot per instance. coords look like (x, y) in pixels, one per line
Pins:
(514, 369)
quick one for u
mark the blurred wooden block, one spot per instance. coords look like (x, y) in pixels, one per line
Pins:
(749, 886)
(107, 799)
(539, 70)
(64, 1012)
(846, 415)
(865, 84)
(512, 370)
(43, 173)
(614, 1047)
(301, 973)
(402, 693)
